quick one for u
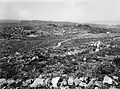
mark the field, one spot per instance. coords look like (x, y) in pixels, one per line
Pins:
(59, 55)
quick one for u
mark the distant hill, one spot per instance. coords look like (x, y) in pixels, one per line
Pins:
(37, 24)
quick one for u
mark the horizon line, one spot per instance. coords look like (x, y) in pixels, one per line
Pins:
(82, 22)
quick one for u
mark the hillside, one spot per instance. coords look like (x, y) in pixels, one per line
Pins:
(33, 51)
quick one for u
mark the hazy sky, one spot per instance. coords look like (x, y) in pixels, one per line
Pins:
(61, 10)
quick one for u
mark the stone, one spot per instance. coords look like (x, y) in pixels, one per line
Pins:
(10, 81)
(37, 82)
(81, 78)
(70, 81)
(97, 49)
(2, 81)
(83, 84)
(69, 53)
(107, 80)
(78, 88)
(64, 82)
(54, 81)
(76, 81)
(27, 82)
(115, 77)
(17, 53)
(113, 87)
(47, 81)
(62, 87)
(96, 88)
(84, 59)
(98, 83)
(91, 82)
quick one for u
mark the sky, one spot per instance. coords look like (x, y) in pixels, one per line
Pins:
(101, 11)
